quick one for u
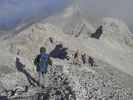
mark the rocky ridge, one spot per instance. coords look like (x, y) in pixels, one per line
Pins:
(111, 79)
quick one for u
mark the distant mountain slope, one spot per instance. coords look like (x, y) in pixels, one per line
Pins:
(112, 54)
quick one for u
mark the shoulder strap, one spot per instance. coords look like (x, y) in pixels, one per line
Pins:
(44, 57)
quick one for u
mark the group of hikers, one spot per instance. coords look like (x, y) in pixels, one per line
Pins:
(79, 59)
(43, 59)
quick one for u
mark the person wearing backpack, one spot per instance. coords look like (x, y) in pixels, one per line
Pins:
(41, 62)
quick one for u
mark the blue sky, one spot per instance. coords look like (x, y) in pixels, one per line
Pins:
(13, 12)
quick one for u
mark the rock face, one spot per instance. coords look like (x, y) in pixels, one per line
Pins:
(110, 79)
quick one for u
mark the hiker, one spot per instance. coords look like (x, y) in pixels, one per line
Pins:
(51, 40)
(83, 56)
(91, 61)
(98, 32)
(76, 59)
(41, 62)
(60, 52)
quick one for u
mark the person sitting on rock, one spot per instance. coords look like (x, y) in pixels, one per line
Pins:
(98, 32)
(41, 62)
(91, 61)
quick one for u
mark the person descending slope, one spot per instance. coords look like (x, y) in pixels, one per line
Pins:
(41, 62)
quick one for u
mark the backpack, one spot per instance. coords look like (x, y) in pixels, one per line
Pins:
(43, 62)
(36, 60)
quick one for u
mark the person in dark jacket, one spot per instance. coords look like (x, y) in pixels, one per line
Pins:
(98, 33)
(91, 61)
